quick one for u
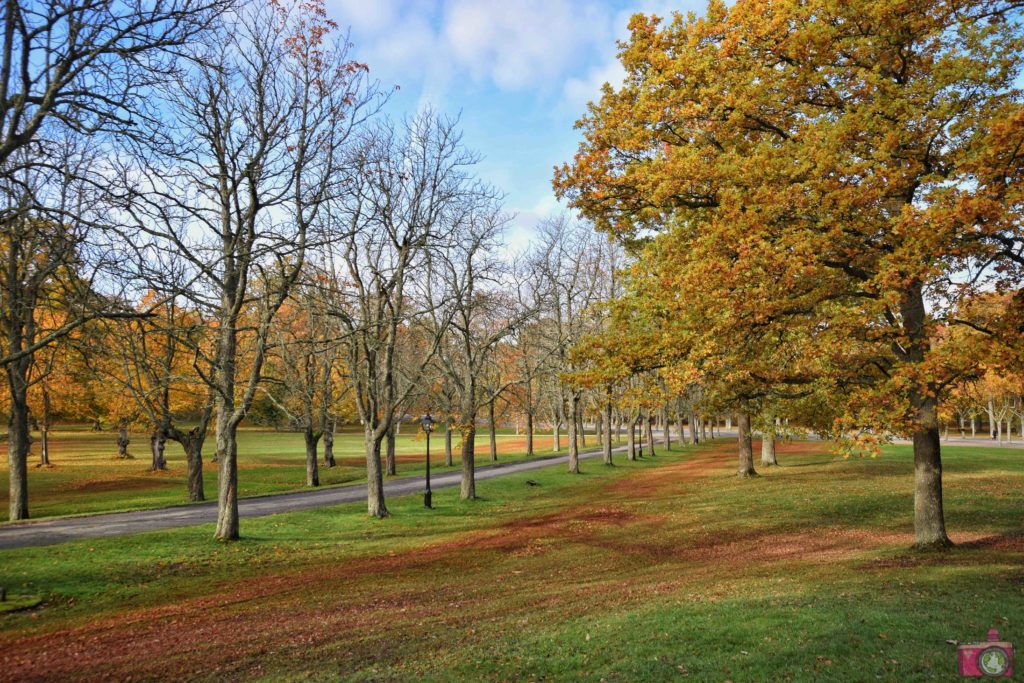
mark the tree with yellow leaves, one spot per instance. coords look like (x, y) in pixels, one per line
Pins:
(841, 175)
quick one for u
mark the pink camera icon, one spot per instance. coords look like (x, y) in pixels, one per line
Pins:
(990, 659)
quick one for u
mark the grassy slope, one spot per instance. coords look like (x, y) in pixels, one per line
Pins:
(87, 479)
(648, 571)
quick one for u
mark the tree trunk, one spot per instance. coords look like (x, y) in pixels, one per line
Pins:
(581, 429)
(666, 434)
(448, 444)
(468, 489)
(44, 445)
(649, 434)
(227, 476)
(574, 422)
(607, 434)
(375, 476)
(556, 435)
(18, 442)
(631, 440)
(768, 448)
(329, 460)
(123, 441)
(494, 436)
(192, 443)
(44, 430)
(929, 520)
(680, 427)
(974, 427)
(529, 434)
(703, 429)
(157, 445)
(312, 438)
(746, 466)
(194, 456)
(991, 419)
(389, 450)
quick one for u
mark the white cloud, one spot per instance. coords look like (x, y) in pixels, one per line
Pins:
(515, 45)
(365, 15)
(552, 46)
(526, 44)
(578, 91)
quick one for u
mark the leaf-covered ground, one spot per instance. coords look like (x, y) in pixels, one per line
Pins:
(661, 570)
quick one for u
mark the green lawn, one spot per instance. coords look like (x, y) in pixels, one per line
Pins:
(657, 570)
(87, 478)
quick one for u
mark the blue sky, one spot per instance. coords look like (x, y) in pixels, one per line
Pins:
(520, 72)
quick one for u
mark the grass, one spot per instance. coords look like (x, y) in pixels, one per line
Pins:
(656, 570)
(87, 478)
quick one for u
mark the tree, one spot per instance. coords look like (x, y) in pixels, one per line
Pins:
(59, 387)
(408, 191)
(571, 266)
(305, 362)
(234, 180)
(855, 165)
(46, 293)
(72, 76)
(484, 306)
(153, 376)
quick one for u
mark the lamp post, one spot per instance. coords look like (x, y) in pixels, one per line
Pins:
(427, 423)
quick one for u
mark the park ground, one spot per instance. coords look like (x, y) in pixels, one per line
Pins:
(665, 569)
(86, 477)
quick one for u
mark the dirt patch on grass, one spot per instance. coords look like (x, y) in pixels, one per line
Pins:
(150, 480)
(963, 553)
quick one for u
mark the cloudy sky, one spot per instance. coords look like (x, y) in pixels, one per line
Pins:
(519, 71)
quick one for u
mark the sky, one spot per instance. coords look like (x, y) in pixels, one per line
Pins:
(519, 72)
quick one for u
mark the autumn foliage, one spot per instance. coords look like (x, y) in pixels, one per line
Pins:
(826, 187)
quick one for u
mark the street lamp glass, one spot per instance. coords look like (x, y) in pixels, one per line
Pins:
(427, 422)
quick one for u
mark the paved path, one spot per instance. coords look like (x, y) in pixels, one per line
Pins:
(50, 531)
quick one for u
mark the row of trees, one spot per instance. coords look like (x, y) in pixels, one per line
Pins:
(829, 200)
(992, 404)
(205, 210)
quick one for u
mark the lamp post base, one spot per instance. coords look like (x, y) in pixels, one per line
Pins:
(427, 499)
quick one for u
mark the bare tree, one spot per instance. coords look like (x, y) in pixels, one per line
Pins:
(569, 262)
(408, 191)
(53, 259)
(73, 75)
(235, 181)
(305, 350)
(486, 303)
